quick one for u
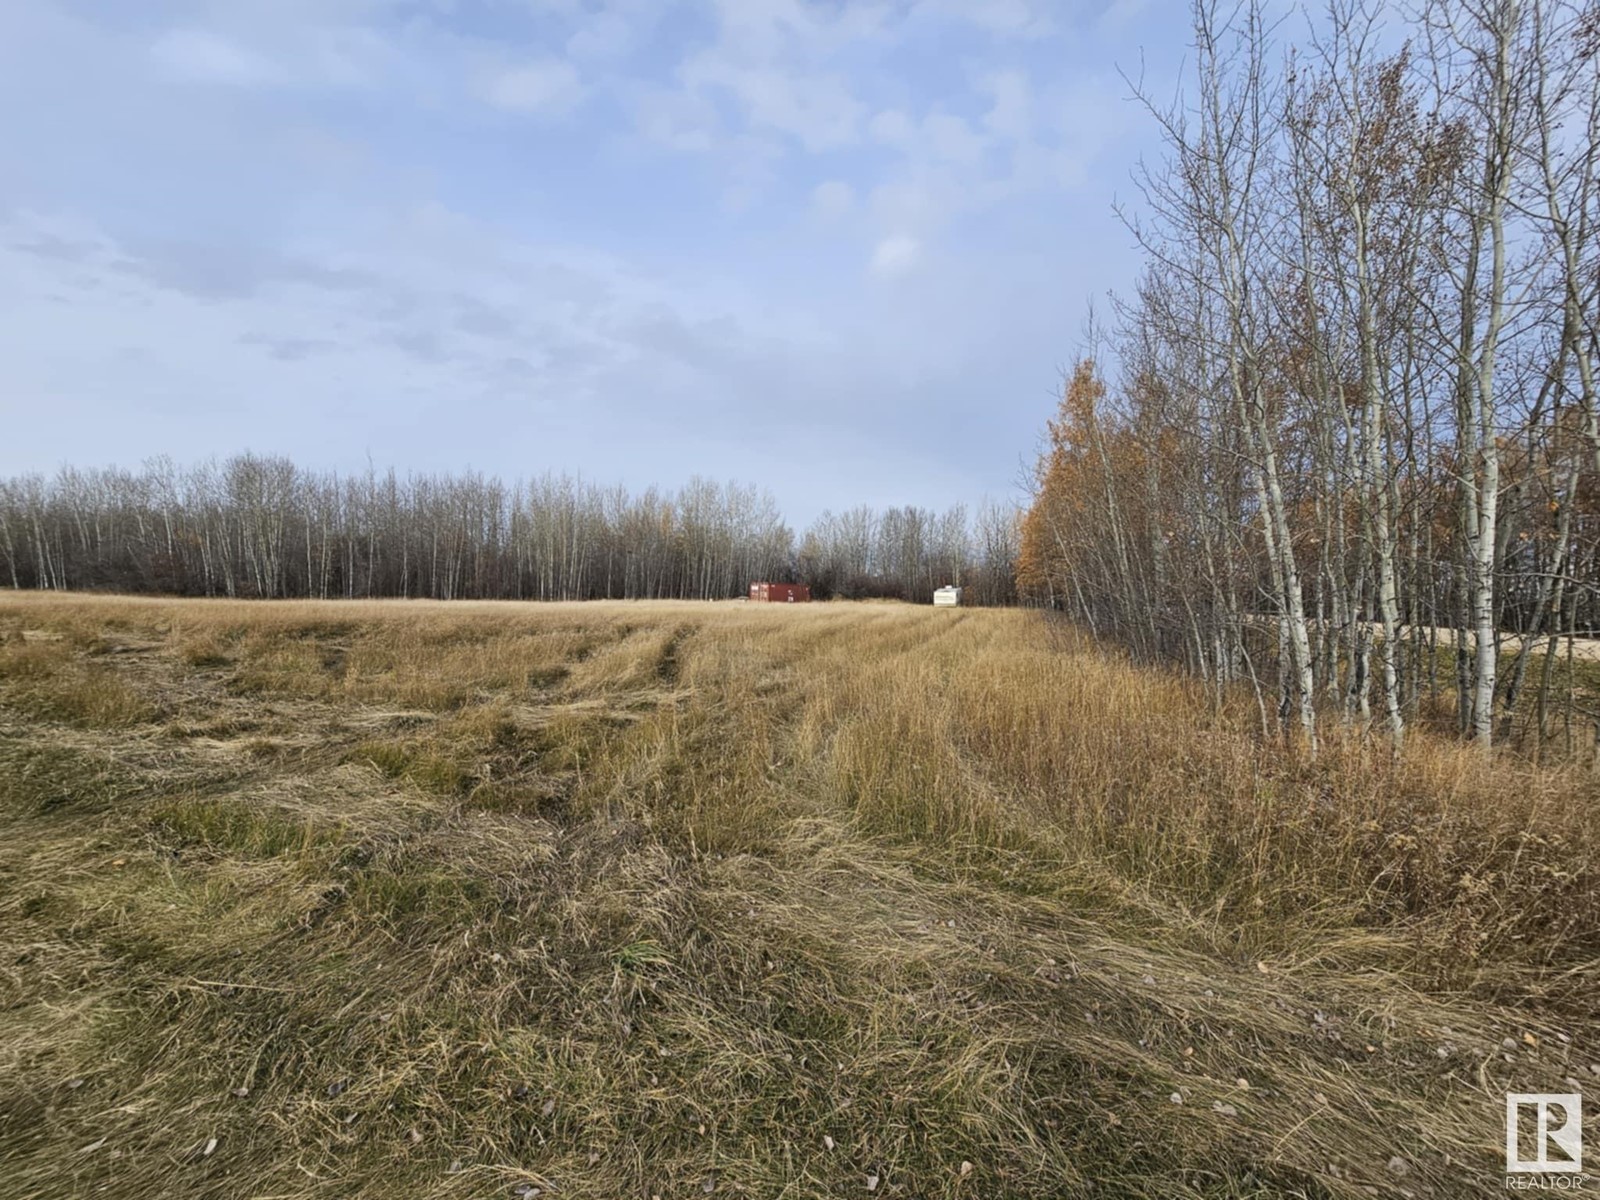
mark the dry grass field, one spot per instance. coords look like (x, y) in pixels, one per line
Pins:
(399, 899)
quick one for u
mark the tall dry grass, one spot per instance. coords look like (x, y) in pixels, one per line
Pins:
(393, 898)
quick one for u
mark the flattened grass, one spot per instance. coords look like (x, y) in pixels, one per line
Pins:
(38, 779)
(677, 900)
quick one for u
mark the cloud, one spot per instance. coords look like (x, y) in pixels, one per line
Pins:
(1121, 12)
(817, 110)
(260, 53)
(225, 272)
(677, 120)
(783, 84)
(364, 252)
(432, 309)
(198, 56)
(608, 36)
(950, 139)
(895, 255)
(772, 69)
(547, 88)
(289, 349)
(923, 202)
(1010, 112)
(1027, 19)
(893, 127)
(833, 199)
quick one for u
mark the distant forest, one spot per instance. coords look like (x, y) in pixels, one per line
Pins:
(254, 526)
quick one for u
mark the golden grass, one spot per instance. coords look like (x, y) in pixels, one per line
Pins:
(412, 899)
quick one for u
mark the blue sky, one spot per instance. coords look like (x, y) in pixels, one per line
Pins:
(841, 248)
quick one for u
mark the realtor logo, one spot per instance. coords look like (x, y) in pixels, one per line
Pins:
(1556, 1144)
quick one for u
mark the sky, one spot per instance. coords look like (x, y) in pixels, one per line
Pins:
(842, 249)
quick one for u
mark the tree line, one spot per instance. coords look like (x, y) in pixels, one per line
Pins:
(260, 526)
(1351, 438)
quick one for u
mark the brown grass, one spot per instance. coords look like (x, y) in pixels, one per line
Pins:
(410, 899)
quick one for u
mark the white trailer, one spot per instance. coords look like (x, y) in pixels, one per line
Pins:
(947, 597)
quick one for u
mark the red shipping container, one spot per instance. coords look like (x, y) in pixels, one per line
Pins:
(782, 593)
